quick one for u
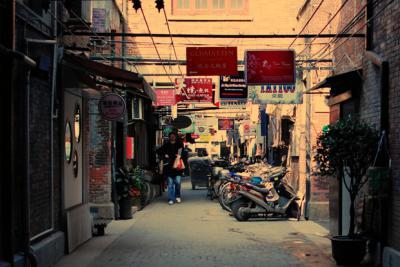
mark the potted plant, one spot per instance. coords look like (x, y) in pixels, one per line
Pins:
(137, 187)
(346, 149)
(128, 186)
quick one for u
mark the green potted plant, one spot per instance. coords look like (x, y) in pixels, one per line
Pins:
(123, 187)
(346, 149)
(137, 187)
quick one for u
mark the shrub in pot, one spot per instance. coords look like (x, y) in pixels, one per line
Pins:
(347, 148)
(123, 186)
(129, 186)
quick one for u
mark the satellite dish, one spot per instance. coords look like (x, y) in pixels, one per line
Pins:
(181, 122)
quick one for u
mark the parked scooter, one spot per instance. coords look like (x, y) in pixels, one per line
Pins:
(273, 198)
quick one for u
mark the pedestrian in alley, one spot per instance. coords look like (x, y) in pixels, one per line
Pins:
(169, 151)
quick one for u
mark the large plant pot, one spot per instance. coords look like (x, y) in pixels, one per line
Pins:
(125, 208)
(347, 250)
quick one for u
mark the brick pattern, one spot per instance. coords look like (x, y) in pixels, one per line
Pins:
(98, 133)
(386, 42)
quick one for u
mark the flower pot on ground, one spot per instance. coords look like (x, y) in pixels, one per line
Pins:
(349, 251)
(128, 186)
(125, 208)
(346, 150)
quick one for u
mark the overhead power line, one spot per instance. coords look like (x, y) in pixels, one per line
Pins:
(172, 41)
(326, 25)
(346, 28)
(360, 28)
(154, 43)
(89, 28)
(218, 36)
(308, 21)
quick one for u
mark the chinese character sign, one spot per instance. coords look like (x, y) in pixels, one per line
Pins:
(193, 90)
(270, 67)
(211, 61)
(233, 87)
(165, 97)
(112, 106)
(99, 19)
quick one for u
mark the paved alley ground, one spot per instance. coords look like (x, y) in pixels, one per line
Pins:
(199, 233)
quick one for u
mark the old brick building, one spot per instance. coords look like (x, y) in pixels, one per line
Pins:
(365, 83)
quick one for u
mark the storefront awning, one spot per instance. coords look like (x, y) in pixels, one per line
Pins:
(342, 81)
(127, 80)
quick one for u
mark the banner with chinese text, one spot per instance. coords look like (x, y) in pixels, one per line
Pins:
(193, 90)
(211, 61)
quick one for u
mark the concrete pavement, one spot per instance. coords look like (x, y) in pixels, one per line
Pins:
(199, 233)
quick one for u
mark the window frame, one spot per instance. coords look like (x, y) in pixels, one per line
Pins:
(210, 10)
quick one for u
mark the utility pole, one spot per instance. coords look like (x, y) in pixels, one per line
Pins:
(308, 139)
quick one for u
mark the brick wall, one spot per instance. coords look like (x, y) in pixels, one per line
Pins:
(98, 134)
(386, 42)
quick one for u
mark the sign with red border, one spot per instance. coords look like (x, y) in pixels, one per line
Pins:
(193, 90)
(215, 61)
(225, 124)
(165, 97)
(270, 67)
(112, 106)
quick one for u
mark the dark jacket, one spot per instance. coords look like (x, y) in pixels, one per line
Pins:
(171, 150)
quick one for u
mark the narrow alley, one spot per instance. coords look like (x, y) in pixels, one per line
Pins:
(179, 133)
(197, 232)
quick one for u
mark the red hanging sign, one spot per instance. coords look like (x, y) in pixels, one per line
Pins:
(193, 89)
(211, 61)
(225, 124)
(270, 67)
(129, 147)
(165, 97)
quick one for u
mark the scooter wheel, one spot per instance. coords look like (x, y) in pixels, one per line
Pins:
(237, 210)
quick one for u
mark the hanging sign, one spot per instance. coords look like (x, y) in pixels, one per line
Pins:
(225, 124)
(130, 145)
(277, 93)
(112, 106)
(232, 104)
(211, 61)
(99, 19)
(233, 86)
(248, 128)
(165, 97)
(193, 90)
(270, 67)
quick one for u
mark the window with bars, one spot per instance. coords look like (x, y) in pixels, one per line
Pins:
(201, 4)
(218, 4)
(183, 4)
(237, 4)
(210, 7)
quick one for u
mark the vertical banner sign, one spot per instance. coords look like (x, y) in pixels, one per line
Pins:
(99, 19)
(129, 147)
(233, 86)
(249, 129)
(277, 93)
(165, 97)
(264, 122)
(270, 67)
(211, 61)
(193, 90)
(225, 124)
